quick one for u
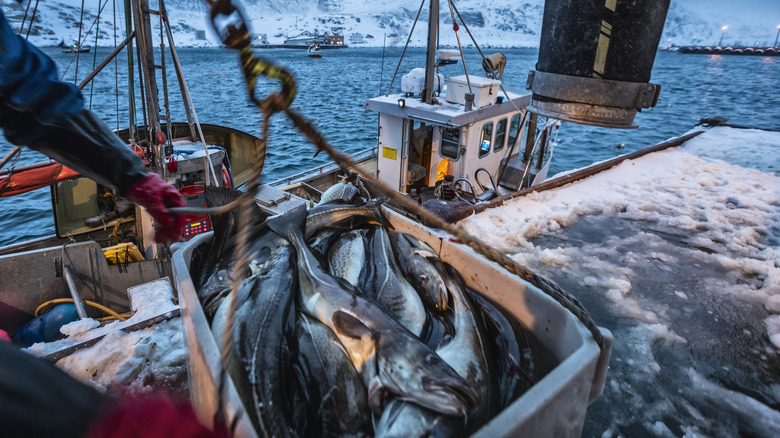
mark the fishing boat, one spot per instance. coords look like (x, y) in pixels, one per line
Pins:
(450, 146)
(483, 139)
(102, 244)
(314, 51)
(75, 49)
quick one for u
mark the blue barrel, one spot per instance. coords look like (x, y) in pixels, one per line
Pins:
(46, 327)
(595, 59)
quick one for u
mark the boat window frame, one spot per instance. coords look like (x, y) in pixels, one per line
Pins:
(443, 141)
(518, 135)
(497, 146)
(482, 150)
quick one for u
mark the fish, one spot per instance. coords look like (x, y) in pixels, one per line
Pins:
(214, 269)
(467, 353)
(338, 397)
(260, 354)
(513, 380)
(388, 356)
(321, 242)
(342, 191)
(344, 216)
(387, 286)
(414, 260)
(402, 419)
(347, 256)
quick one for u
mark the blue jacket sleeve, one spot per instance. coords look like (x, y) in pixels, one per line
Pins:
(45, 114)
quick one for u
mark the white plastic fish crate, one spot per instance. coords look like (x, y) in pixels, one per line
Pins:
(554, 406)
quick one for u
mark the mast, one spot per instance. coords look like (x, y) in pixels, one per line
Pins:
(430, 66)
(146, 50)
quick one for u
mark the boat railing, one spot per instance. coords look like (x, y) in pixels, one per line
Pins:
(321, 170)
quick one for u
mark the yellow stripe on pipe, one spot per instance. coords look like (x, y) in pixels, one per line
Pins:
(601, 54)
(611, 4)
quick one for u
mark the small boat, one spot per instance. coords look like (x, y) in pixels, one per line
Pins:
(314, 51)
(74, 49)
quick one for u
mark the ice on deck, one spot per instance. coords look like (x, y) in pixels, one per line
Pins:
(146, 360)
(678, 253)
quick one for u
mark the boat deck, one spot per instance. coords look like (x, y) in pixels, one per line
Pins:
(678, 254)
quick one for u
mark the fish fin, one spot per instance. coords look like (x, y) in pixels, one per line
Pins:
(287, 223)
(348, 325)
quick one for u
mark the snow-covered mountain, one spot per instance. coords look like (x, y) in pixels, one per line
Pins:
(494, 23)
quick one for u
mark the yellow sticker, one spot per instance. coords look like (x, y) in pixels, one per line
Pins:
(389, 153)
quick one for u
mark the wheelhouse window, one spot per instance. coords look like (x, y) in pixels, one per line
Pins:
(514, 129)
(500, 135)
(450, 143)
(485, 139)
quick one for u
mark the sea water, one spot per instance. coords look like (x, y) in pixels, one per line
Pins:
(333, 89)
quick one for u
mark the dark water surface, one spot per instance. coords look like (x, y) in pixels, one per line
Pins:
(333, 89)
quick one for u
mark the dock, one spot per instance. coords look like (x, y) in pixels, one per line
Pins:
(730, 50)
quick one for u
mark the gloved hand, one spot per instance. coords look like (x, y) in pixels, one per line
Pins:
(156, 196)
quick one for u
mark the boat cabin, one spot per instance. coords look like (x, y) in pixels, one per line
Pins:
(420, 143)
(480, 146)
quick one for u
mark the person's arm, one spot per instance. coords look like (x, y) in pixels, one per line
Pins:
(39, 400)
(47, 115)
(41, 112)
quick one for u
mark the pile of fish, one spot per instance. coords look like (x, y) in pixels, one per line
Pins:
(344, 327)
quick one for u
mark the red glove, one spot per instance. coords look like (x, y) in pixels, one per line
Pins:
(156, 196)
(151, 417)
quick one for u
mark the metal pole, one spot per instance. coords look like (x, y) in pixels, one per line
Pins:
(37, 165)
(105, 62)
(130, 74)
(177, 68)
(433, 30)
(778, 35)
(74, 293)
(146, 51)
(190, 107)
(10, 155)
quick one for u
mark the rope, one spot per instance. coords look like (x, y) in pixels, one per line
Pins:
(32, 20)
(24, 19)
(113, 314)
(78, 45)
(390, 87)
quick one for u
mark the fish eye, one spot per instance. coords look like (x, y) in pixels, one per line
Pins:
(432, 359)
(423, 279)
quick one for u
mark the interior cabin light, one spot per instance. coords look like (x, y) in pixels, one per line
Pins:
(401, 103)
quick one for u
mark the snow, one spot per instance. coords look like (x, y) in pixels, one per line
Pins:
(732, 210)
(694, 278)
(140, 361)
(494, 23)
